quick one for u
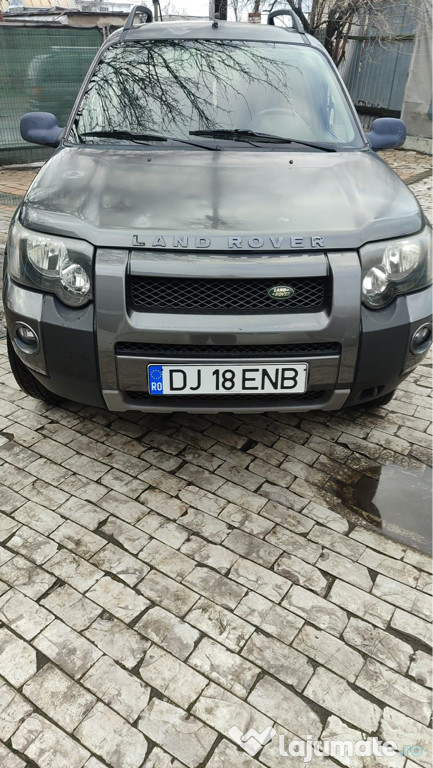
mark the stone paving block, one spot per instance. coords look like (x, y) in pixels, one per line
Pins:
(387, 685)
(209, 527)
(32, 544)
(167, 531)
(239, 476)
(378, 541)
(122, 691)
(85, 489)
(71, 568)
(299, 572)
(78, 539)
(219, 624)
(288, 518)
(72, 607)
(203, 500)
(69, 650)
(337, 731)
(425, 582)
(169, 594)
(14, 478)
(388, 566)
(240, 496)
(334, 694)
(123, 644)
(345, 569)
(173, 634)
(17, 658)
(59, 697)
(279, 660)
(168, 560)
(160, 759)
(259, 579)
(115, 560)
(37, 517)
(379, 644)
(47, 745)
(404, 731)
(246, 521)
(404, 597)
(224, 667)
(26, 617)
(163, 503)
(174, 679)
(112, 738)
(271, 618)
(329, 651)
(13, 710)
(122, 506)
(335, 541)
(316, 610)
(421, 668)
(294, 544)
(9, 760)
(223, 711)
(82, 512)
(128, 535)
(363, 604)
(252, 548)
(182, 735)
(214, 555)
(226, 755)
(117, 598)
(413, 626)
(286, 498)
(285, 707)
(49, 471)
(215, 586)
(27, 577)
(419, 560)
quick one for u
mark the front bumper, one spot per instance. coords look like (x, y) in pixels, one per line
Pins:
(83, 353)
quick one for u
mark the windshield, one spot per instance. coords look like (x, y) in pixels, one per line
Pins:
(172, 88)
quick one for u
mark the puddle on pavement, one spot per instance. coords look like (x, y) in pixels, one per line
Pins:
(397, 500)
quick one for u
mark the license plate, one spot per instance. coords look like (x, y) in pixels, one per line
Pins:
(227, 379)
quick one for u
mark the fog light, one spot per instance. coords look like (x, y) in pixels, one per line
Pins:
(421, 339)
(26, 338)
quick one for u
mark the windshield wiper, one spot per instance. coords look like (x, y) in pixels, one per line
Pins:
(143, 138)
(246, 135)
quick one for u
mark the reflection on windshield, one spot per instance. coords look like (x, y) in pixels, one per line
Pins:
(173, 87)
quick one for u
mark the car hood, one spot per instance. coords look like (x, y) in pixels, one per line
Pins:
(116, 197)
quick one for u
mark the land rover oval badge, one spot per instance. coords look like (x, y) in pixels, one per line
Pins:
(281, 292)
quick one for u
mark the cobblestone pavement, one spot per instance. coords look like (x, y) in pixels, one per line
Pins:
(165, 580)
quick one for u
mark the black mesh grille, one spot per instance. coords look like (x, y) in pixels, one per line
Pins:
(224, 400)
(226, 351)
(223, 296)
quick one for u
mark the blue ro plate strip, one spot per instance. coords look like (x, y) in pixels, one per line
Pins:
(156, 386)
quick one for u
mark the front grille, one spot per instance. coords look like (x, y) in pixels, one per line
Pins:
(224, 296)
(226, 399)
(225, 351)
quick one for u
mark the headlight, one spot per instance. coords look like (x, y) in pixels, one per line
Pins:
(58, 265)
(395, 267)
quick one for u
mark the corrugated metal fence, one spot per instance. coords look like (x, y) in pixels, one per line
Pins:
(378, 57)
(41, 68)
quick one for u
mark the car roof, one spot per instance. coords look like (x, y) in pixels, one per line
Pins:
(204, 30)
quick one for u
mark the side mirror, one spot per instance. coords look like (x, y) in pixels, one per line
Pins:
(40, 128)
(386, 133)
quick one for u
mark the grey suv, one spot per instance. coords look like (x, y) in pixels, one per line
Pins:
(215, 232)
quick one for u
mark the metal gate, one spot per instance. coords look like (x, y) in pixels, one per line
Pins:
(378, 57)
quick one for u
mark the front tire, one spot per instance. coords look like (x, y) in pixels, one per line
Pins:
(26, 381)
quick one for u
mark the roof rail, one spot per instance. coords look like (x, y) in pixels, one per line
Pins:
(137, 9)
(296, 21)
